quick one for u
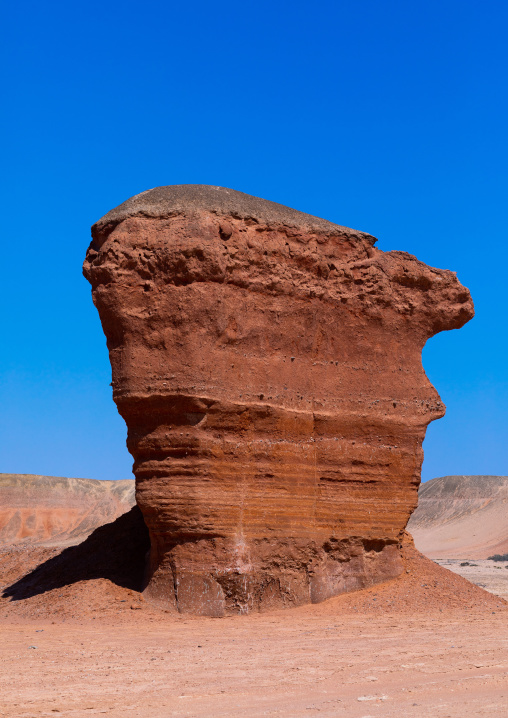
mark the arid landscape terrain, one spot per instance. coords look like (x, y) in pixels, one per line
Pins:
(248, 367)
(57, 511)
(461, 521)
(462, 517)
(78, 639)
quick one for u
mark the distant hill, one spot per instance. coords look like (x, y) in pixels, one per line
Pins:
(54, 510)
(461, 517)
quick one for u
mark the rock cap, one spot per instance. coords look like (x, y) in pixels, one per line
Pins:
(222, 201)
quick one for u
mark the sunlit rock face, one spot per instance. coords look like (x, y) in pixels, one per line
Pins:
(268, 366)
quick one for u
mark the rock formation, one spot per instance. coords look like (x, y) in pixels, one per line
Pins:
(462, 517)
(268, 366)
(58, 511)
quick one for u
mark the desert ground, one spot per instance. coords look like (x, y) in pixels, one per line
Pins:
(78, 639)
(428, 643)
(490, 575)
(322, 661)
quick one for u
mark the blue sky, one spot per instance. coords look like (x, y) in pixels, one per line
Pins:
(389, 117)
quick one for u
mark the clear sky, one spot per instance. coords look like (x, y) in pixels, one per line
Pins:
(390, 117)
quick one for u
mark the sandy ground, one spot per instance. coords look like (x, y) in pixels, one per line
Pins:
(302, 662)
(427, 644)
(490, 575)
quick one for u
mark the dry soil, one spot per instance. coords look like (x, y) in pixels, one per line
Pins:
(428, 643)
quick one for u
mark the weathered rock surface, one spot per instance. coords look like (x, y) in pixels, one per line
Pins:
(462, 517)
(57, 511)
(268, 366)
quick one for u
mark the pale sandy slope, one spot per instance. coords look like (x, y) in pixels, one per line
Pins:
(462, 517)
(55, 510)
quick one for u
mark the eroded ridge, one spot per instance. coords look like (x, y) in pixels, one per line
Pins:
(268, 366)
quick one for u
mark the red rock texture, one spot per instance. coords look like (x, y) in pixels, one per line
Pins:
(268, 366)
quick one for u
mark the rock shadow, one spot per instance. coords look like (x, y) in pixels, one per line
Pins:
(115, 551)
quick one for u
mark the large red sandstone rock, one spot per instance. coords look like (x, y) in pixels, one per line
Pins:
(268, 366)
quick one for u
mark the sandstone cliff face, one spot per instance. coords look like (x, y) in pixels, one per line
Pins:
(268, 366)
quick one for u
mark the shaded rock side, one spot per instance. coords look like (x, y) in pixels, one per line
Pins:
(268, 366)
(462, 517)
(56, 510)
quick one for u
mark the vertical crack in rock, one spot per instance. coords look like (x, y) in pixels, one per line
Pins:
(268, 366)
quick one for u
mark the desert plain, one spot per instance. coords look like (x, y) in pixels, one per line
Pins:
(79, 640)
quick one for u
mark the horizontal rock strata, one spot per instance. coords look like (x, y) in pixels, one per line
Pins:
(268, 366)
